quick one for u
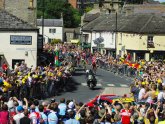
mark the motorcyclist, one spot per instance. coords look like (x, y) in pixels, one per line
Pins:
(90, 72)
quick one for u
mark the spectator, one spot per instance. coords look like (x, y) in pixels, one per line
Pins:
(52, 117)
(126, 114)
(25, 119)
(34, 116)
(4, 115)
(62, 107)
(19, 115)
(42, 114)
(71, 119)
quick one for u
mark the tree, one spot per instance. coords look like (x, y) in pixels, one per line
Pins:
(55, 41)
(54, 9)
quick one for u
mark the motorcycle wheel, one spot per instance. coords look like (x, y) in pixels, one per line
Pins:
(92, 86)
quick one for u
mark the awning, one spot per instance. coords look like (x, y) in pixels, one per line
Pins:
(75, 41)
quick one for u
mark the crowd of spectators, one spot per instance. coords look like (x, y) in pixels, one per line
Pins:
(21, 89)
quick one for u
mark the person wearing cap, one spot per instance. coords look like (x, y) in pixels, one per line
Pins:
(71, 106)
(19, 115)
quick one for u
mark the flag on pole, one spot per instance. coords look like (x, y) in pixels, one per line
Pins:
(56, 61)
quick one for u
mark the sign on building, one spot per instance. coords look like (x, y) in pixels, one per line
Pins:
(20, 40)
(40, 42)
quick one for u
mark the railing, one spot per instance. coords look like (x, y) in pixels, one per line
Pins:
(122, 70)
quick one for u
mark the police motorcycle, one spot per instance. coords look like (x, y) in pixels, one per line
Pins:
(90, 78)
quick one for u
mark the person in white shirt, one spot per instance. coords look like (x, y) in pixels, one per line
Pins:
(161, 94)
(141, 94)
(19, 115)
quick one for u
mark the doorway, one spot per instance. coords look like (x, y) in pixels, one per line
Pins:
(14, 61)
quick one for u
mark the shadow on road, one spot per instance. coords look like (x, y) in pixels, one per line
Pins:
(80, 69)
(71, 86)
(78, 74)
(97, 88)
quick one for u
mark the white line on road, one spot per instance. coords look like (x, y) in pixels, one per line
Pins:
(99, 85)
(123, 85)
(111, 85)
(85, 84)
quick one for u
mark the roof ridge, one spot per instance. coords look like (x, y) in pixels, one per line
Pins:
(146, 23)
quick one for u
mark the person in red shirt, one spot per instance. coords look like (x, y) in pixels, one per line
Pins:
(126, 114)
(4, 68)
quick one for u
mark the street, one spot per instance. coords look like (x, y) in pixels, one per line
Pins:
(78, 90)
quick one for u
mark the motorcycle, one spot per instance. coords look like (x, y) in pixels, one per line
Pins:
(91, 81)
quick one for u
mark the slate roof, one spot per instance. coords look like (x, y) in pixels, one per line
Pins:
(11, 22)
(91, 17)
(136, 23)
(50, 22)
(146, 8)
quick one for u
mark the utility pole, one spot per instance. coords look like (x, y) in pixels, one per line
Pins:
(116, 33)
(43, 16)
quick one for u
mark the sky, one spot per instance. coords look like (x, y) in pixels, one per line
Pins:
(160, 0)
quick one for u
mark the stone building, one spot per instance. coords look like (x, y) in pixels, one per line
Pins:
(23, 9)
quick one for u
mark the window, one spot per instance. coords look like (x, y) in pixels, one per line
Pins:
(150, 43)
(52, 30)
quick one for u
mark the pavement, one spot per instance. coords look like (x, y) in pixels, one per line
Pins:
(107, 83)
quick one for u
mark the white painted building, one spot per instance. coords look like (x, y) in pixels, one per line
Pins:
(106, 46)
(53, 29)
(108, 40)
(18, 41)
(100, 27)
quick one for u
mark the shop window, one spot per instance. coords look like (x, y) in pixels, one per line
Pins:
(150, 42)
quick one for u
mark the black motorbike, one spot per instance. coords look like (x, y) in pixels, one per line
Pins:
(91, 80)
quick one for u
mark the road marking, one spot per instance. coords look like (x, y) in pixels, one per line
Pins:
(111, 85)
(85, 84)
(123, 85)
(99, 85)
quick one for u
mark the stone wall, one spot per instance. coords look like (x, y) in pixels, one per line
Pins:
(23, 9)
